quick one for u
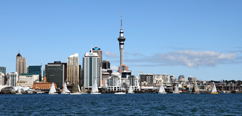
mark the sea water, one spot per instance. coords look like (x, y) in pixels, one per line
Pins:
(128, 104)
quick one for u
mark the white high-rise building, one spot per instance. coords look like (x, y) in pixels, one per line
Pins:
(21, 64)
(73, 69)
(91, 69)
(12, 78)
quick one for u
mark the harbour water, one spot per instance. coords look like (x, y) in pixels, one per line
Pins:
(128, 104)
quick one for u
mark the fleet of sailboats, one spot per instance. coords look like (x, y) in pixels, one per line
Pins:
(214, 90)
(162, 89)
(52, 89)
(94, 88)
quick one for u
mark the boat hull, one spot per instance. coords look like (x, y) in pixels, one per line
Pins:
(65, 93)
(120, 93)
(95, 93)
(75, 93)
(53, 93)
(176, 92)
(162, 93)
(214, 92)
(18, 93)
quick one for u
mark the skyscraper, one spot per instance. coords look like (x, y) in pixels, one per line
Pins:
(73, 69)
(21, 64)
(91, 69)
(106, 64)
(99, 53)
(121, 40)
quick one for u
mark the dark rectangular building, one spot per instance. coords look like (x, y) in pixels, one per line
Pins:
(37, 69)
(56, 72)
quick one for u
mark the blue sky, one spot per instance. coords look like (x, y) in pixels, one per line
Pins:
(202, 39)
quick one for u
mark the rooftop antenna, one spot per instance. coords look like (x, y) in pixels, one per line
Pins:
(121, 19)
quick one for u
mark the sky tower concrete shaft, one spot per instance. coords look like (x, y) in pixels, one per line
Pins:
(121, 40)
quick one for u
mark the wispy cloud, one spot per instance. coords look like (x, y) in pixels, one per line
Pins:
(187, 58)
(110, 54)
(133, 54)
(114, 68)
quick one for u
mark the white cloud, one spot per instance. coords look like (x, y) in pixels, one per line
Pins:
(114, 68)
(110, 54)
(189, 58)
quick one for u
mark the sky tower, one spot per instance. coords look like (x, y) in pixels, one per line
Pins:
(121, 40)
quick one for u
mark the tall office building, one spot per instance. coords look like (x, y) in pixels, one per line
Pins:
(73, 69)
(37, 69)
(99, 53)
(56, 72)
(121, 40)
(21, 63)
(91, 69)
(3, 70)
(12, 78)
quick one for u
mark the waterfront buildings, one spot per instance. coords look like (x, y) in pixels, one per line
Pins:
(3, 70)
(114, 82)
(56, 72)
(73, 69)
(35, 69)
(21, 63)
(12, 78)
(133, 81)
(27, 80)
(91, 69)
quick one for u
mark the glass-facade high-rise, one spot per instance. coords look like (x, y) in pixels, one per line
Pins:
(3, 70)
(56, 72)
(35, 70)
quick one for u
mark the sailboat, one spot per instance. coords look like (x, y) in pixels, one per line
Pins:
(52, 89)
(130, 90)
(19, 91)
(84, 90)
(176, 90)
(65, 90)
(76, 90)
(162, 89)
(94, 88)
(214, 90)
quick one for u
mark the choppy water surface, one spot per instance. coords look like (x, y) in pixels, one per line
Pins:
(129, 104)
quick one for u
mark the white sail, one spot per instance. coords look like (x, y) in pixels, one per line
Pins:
(52, 89)
(214, 90)
(79, 88)
(176, 91)
(65, 88)
(94, 88)
(162, 89)
(130, 90)
(19, 89)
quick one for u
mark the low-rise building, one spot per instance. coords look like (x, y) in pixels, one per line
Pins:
(27, 80)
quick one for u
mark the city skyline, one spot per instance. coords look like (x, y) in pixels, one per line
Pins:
(199, 39)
